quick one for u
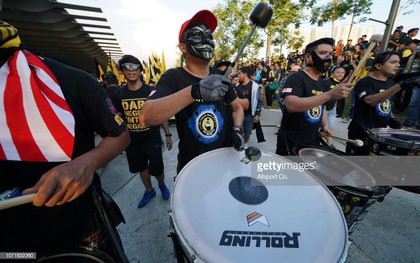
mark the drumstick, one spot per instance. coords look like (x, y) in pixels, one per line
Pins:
(373, 41)
(20, 200)
(357, 142)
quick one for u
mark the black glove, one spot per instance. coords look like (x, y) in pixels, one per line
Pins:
(238, 141)
(411, 82)
(211, 88)
(394, 123)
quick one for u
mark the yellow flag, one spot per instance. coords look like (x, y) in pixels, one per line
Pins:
(101, 72)
(163, 69)
(146, 72)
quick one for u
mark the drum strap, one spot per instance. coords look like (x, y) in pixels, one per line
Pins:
(98, 203)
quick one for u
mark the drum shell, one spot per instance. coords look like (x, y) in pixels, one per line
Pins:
(79, 254)
(196, 226)
(382, 142)
(354, 201)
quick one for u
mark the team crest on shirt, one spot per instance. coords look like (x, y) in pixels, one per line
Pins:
(206, 123)
(313, 115)
(383, 109)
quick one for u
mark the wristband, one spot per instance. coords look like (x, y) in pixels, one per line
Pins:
(237, 127)
(168, 135)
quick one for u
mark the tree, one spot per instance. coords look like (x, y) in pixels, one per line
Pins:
(234, 26)
(285, 13)
(358, 8)
(332, 11)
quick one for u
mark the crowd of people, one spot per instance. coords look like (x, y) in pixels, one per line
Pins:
(59, 160)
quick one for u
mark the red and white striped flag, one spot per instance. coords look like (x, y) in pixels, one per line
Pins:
(36, 123)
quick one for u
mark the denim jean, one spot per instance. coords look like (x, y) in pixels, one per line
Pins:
(413, 110)
(331, 118)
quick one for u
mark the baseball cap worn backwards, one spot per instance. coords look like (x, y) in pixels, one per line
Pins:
(204, 16)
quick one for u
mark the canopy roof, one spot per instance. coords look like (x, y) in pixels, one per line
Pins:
(47, 27)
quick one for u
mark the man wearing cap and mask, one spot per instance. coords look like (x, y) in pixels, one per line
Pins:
(196, 94)
(144, 154)
(305, 94)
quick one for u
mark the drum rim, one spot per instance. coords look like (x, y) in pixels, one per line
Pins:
(409, 145)
(354, 189)
(182, 236)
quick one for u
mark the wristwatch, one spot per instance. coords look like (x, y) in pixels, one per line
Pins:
(168, 135)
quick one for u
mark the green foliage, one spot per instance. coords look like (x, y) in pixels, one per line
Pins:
(359, 8)
(234, 26)
(329, 12)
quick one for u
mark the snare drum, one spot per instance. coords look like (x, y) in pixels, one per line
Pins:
(223, 211)
(353, 187)
(77, 254)
(387, 141)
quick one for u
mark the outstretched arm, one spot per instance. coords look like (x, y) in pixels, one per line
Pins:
(67, 181)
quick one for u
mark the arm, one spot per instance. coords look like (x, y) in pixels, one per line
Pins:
(168, 135)
(237, 112)
(300, 104)
(67, 181)
(324, 122)
(155, 112)
(374, 99)
(244, 103)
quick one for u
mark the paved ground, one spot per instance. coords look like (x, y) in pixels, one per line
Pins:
(390, 233)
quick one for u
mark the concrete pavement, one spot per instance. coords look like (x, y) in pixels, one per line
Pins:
(390, 233)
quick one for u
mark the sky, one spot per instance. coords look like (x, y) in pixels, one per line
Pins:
(143, 26)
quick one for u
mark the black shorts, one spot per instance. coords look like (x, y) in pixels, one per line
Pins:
(146, 155)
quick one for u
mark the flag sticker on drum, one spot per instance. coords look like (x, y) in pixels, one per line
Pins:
(255, 217)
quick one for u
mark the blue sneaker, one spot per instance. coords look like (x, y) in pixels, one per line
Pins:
(146, 198)
(165, 192)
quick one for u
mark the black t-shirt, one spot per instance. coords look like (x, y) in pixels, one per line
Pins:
(244, 92)
(111, 89)
(32, 229)
(331, 83)
(202, 126)
(369, 117)
(130, 103)
(302, 127)
(347, 67)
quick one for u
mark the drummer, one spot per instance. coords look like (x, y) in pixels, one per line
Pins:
(49, 148)
(305, 94)
(197, 94)
(373, 104)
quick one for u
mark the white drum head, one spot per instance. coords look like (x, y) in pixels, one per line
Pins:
(292, 222)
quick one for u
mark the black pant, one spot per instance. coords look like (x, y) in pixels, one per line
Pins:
(340, 107)
(361, 135)
(269, 93)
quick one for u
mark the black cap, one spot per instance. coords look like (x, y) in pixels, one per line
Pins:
(129, 59)
(221, 62)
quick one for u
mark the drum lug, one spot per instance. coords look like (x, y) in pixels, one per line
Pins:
(375, 148)
(93, 245)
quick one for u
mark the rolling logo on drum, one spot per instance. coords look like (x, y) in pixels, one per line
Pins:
(255, 217)
(234, 238)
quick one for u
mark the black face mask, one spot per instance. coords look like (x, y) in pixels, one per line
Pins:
(200, 43)
(321, 64)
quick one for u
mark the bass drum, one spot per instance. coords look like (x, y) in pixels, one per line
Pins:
(222, 212)
(354, 188)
